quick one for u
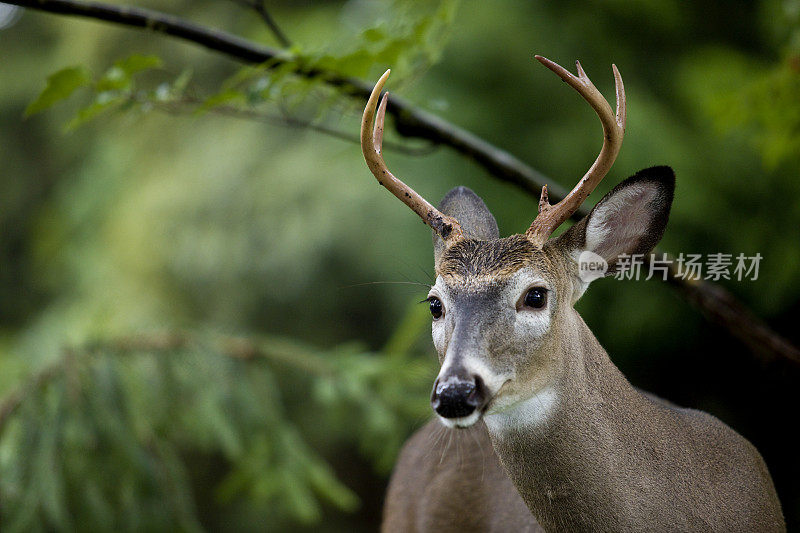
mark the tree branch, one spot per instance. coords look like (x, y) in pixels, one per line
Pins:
(714, 301)
(259, 7)
(409, 121)
(188, 105)
(720, 306)
(274, 349)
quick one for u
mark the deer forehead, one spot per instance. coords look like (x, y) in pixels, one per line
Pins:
(472, 264)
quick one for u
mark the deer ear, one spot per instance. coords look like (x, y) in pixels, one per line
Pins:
(475, 218)
(628, 220)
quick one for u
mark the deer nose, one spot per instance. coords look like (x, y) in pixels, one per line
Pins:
(457, 397)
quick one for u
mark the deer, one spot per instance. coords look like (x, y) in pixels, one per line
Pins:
(535, 428)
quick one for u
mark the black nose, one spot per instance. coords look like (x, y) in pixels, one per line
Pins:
(456, 397)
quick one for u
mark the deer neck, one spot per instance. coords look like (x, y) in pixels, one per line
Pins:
(563, 448)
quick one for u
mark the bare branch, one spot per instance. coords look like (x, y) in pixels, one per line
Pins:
(186, 105)
(409, 121)
(721, 307)
(259, 7)
(412, 122)
(14, 399)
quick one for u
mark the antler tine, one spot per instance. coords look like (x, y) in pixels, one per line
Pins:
(552, 216)
(447, 227)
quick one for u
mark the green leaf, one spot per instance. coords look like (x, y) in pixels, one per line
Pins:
(136, 63)
(373, 35)
(103, 101)
(60, 86)
(182, 81)
(120, 75)
(324, 482)
(227, 96)
(113, 79)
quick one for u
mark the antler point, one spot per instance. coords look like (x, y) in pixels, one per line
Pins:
(371, 140)
(543, 60)
(544, 199)
(551, 216)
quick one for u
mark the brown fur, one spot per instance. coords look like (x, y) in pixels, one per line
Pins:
(495, 259)
(428, 491)
(594, 455)
(613, 459)
(610, 458)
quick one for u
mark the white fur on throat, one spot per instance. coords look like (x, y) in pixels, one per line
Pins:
(528, 413)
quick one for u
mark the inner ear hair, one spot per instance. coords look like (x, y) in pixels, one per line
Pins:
(630, 219)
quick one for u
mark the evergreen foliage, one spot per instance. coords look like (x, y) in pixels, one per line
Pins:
(119, 435)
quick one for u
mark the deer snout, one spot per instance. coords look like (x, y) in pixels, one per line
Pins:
(457, 396)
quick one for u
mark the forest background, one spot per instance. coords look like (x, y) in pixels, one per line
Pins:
(209, 311)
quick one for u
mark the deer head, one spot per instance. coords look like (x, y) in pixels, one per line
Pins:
(503, 319)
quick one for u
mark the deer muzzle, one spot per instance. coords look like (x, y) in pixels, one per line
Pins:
(457, 396)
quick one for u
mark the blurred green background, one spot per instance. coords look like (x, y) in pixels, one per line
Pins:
(209, 322)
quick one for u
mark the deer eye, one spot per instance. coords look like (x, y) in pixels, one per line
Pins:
(536, 297)
(437, 309)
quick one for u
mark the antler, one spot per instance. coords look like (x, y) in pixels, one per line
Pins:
(551, 217)
(447, 227)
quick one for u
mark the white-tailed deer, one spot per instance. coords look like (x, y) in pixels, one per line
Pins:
(550, 435)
